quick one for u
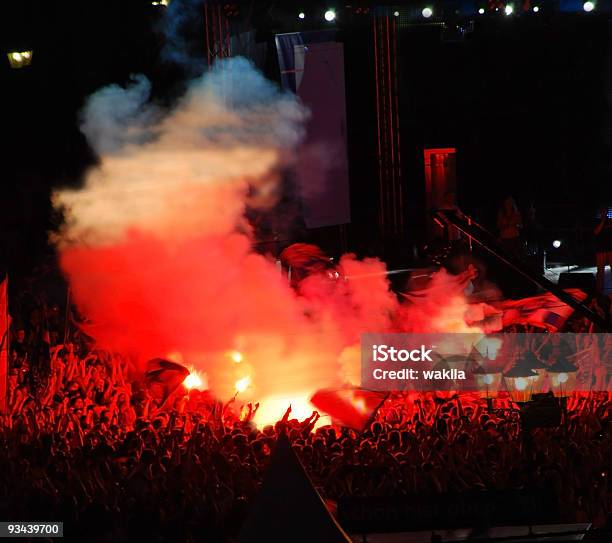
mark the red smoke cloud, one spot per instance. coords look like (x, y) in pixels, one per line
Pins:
(160, 260)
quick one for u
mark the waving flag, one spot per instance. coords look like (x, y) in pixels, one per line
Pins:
(350, 407)
(163, 378)
(545, 310)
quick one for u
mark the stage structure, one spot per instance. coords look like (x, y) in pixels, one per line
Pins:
(217, 30)
(440, 178)
(312, 66)
(390, 184)
(489, 243)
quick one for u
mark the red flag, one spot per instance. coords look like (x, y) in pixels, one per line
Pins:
(351, 407)
(545, 311)
(303, 255)
(163, 377)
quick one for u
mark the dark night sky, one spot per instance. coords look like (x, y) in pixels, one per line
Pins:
(524, 101)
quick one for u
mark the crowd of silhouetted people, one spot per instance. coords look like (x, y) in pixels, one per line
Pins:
(83, 443)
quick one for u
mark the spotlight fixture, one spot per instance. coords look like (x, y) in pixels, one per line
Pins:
(20, 59)
(330, 15)
(509, 9)
(163, 3)
(556, 244)
(396, 13)
(536, 9)
(481, 11)
(427, 12)
(588, 6)
(301, 15)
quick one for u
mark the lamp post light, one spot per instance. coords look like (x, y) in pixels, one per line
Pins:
(535, 364)
(520, 381)
(488, 381)
(563, 376)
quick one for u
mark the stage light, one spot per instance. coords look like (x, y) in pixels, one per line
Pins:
(330, 15)
(536, 9)
(20, 59)
(396, 13)
(509, 9)
(301, 15)
(481, 11)
(556, 244)
(427, 12)
(160, 3)
(588, 6)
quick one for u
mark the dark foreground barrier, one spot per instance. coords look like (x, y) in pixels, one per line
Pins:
(474, 509)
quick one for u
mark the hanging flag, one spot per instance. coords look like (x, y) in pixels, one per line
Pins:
(163, 377)
(312, 66)
(4, 344)
(351, 407)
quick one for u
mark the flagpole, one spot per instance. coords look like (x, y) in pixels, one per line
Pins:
(6, 345)
(4, 348)
(66, 316)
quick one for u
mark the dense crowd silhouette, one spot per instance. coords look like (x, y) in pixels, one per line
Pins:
(84, 443)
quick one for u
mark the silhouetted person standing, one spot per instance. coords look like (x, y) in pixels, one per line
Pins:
(603, 247)
(509, 223)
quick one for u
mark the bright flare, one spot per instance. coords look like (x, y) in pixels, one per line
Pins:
(588, 6)
(427, 12)
(243, 384)
(330, 15)
(194, 380)
(272, 409)
(236, 356)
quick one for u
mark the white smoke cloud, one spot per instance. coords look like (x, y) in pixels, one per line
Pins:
(189, 171)
(159, 258)
(115, 116)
